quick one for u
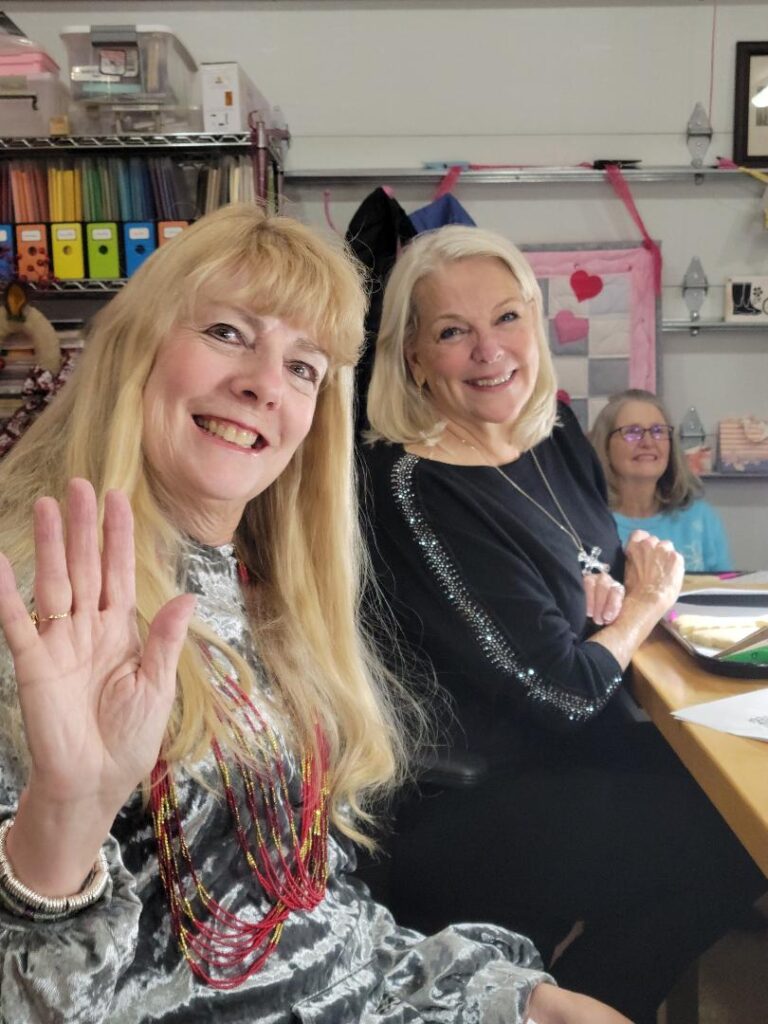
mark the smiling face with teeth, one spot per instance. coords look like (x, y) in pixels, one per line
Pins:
(646, 459)
(230, 398)
(475, 349)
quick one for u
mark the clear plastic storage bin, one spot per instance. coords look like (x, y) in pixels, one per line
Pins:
(31, 92)
(28, 104)
(128, 64)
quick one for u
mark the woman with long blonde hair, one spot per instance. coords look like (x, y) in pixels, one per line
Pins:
(192, 720)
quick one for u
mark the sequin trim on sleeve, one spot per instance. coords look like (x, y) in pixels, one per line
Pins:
(489, 638)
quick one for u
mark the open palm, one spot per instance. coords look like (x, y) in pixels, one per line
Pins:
(95, 704)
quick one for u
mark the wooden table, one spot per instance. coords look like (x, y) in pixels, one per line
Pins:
(732, 770)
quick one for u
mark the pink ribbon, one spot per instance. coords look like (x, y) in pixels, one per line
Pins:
(447, 182)
(327, 211)
(621, 188)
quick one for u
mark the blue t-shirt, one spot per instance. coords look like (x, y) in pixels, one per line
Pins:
(697, 533)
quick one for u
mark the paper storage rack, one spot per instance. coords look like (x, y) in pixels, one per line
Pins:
(171, 178)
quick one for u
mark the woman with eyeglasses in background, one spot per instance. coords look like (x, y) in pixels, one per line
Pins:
(650, 486)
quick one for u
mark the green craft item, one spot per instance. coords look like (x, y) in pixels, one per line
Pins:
(753, 656)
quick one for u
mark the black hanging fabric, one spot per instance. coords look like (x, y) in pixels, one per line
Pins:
(375, 233)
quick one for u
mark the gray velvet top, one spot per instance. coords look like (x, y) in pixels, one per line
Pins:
(344, 961)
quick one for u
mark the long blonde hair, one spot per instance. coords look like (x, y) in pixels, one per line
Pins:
(397, 409)
(677, 487)
(299, 539)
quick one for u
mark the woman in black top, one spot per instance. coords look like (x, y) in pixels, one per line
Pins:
(491, 538)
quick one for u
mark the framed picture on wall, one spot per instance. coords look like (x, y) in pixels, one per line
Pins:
(750, 118)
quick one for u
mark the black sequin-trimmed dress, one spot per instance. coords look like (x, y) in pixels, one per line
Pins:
(489, 589)
(344, 962)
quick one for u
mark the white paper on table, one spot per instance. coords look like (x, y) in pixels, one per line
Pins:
(753, 577)
(743, 715)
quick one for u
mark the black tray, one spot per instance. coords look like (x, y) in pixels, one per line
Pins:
(733, 603)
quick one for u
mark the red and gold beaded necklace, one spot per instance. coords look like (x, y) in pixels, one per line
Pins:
(291, 870)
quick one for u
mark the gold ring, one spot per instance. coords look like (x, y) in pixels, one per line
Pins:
(37, 619)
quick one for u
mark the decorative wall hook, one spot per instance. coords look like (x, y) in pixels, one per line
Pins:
(698, 135)
(695, 287)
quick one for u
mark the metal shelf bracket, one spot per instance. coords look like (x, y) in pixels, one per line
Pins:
(695, 287)
(698, 135)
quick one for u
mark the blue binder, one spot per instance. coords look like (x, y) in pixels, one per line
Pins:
(7, 253)
(139, 241)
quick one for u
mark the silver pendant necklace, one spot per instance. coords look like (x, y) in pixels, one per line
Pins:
(589, 561)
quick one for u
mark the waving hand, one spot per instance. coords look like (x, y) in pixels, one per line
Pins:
(94, 703)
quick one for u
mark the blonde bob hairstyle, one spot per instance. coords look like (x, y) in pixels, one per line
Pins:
(677, 487)
(299, 538)
(397, 409)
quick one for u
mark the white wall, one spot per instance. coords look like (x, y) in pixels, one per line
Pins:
(393, 84)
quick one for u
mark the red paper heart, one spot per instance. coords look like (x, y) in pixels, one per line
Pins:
(585, 286)
(569, 327)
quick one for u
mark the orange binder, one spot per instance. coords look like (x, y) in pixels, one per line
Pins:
(168, 229)
(33, 255)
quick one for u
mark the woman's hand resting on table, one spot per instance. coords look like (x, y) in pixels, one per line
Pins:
(94, 704)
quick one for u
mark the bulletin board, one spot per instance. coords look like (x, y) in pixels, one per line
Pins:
(602, 315)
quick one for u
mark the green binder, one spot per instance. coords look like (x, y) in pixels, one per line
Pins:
(103, 250)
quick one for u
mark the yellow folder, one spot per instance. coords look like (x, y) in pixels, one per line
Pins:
(68, 252)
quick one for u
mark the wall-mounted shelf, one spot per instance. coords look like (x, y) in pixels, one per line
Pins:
(374, 175)
(734, 476)
(91, 286)
(76, 143)
(511, 175)
(80, 286)
(94, 286)
(712, 326)
(273, 142)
